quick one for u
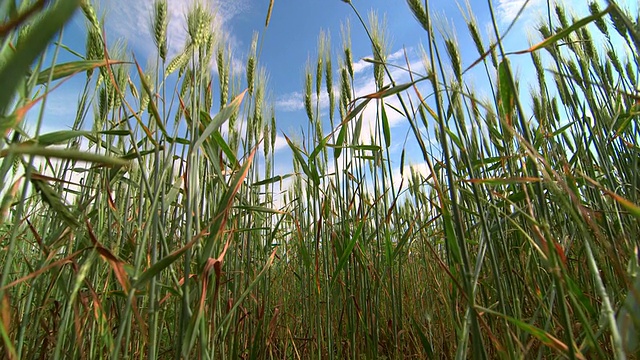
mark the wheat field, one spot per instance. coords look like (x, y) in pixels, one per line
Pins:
(165, 231)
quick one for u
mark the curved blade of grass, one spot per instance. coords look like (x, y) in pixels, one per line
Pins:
(456, 140)
(565, 32)
(220, 217)
(321, 146)
(357, 130)
(339, 141)
(373, 148)
(54, 200)
(544, 337)
(72, 68)
(402, 242)
(262, 209)
(219, 119)
(230, 314)
(178, 140)
(347, 252)
(343, 131)
(628, 205)
(386, 129)
(59, 137)
(388, 91)
(176, 189)
(426, 345)
(156, 268)
(217, 137)
(503, 181)
(272, 180)
(62, 136)
(297, 154)
(55, 264)
(103, 144)
(134, 153)
(8, 200)
(35, 42)
(70, 154)
(117, 265)
(18, 19)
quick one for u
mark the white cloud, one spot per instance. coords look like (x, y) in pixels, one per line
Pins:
(366, 85)
(283, 186)
(508, 9)
(538, 9)
(290, 102)
(398, 55)
(281, 143)
(361, 66)
(131, 20)
(294, 101)
(421, 169)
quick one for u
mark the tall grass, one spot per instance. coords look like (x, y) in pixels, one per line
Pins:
(161, 232)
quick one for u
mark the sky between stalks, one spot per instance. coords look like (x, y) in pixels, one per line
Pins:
(291, 40)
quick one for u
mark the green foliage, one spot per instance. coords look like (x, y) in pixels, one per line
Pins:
(157, 235)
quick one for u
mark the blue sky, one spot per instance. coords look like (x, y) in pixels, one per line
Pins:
(291, 39)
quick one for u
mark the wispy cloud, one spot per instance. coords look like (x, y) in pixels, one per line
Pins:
(131, 20)
(508, 9)
(294, 101)
(364, 82)
(366, 85)
(421, 169)
(281, 143)
(534, 9)
(290, 102)
(361, 66)
(398, 55)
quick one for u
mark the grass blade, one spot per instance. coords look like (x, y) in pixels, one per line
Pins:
(16, 67)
